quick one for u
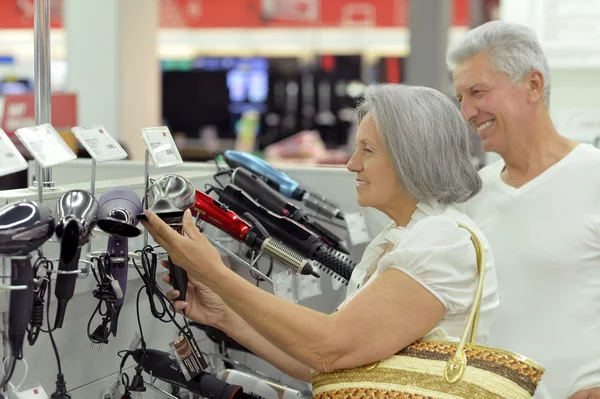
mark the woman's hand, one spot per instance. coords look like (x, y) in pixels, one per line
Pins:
(592, 393)
(203, 305)
(193, 252)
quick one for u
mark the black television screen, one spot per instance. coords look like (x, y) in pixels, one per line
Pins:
(196, 98)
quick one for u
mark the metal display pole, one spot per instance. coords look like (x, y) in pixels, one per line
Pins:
(4, 314)
(93, 192)
(43, 94)
(146, 188)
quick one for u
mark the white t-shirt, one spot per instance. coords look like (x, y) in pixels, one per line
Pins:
(438, 254)
(546, 241)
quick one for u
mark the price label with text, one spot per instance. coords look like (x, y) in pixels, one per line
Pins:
(101, 146)
(161, 146)
(45, 145)
(337, 282)
(308, 286)
(283, 285)
(357, 228)
(11, 160)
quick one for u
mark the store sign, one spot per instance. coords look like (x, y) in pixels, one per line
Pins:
(18, 14)
(19, 112)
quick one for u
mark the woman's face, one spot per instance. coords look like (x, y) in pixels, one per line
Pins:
(377, 184)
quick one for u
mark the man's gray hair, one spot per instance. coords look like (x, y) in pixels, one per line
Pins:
(427, 140)
(513, 49)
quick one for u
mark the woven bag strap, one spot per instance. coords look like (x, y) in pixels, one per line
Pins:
(456, 366)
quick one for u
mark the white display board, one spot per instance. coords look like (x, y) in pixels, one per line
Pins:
(567, 30)
(570, 33)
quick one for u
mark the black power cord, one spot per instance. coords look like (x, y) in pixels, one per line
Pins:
(61, 385)
(106, 296)
(160, 308)
(37, 319)
(37, 313)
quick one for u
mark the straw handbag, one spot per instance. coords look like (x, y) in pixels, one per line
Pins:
(435, 368)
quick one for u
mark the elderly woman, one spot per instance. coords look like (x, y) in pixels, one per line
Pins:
(411, 163)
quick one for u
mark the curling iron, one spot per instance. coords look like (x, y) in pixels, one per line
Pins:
(282, 182)
(275, 202)
(252, 234)
(288, 231)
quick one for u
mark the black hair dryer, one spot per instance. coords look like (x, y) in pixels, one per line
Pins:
(24, 227)
(76, 213)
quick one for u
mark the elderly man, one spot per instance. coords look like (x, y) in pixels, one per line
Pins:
(539, 208)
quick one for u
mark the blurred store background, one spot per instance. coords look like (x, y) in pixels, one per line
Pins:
(276, 77)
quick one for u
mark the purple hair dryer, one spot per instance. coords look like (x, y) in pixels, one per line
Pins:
(117, 216)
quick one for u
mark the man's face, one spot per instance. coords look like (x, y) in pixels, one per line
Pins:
(490, 102)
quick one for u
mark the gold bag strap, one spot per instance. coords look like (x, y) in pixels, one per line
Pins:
(456, 366)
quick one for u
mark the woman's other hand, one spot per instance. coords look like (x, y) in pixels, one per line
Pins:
(202, 305)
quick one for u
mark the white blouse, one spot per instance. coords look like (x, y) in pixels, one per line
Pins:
(438, 254)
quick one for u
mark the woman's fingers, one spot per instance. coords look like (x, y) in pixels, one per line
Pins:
(167, 278)
(172, 295)
(189, 226)
(180, 306)
(165, 263)
(162, 233)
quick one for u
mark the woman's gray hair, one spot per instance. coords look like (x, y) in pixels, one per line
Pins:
(513, 49)
(427, 140)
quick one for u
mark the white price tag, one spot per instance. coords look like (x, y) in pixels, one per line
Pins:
(11, 160)
(357, 228)
(161, 146)
(283, 285)
(337, 282)
(101, 146)
(307, 286)
(45, 145)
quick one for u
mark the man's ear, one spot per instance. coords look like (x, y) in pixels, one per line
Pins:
(535, 86)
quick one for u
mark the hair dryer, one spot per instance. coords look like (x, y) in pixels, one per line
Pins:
(168, 198)
(275, 202)
(24, 226)
(117, 216)
(76, 213)
(281, 182)
(252, 234)
(288, 231)
(165, 367)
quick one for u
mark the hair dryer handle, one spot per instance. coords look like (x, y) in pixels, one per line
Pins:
(65, 286)
(118, 248)
(21, 302)
(179, 279)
